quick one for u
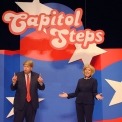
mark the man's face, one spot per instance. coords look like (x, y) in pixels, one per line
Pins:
(27, 69)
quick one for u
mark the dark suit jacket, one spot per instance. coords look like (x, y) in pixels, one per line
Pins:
(86, 91)
(20, 87)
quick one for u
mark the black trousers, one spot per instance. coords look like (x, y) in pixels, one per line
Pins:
(84, 112)
(28, 113)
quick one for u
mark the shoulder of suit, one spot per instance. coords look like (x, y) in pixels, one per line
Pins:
(34, 73)
(19, 73)
(80, 79)
(94, 79)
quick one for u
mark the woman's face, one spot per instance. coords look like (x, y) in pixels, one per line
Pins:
(87, 72)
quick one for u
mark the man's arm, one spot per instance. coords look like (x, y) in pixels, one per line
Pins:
(14, 82)
(41, 86)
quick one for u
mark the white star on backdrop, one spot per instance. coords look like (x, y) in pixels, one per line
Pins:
(34, 8)
(11, 100)
(86, 54)
(117, 86)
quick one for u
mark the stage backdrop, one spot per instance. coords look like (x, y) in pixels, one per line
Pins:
(53, 36)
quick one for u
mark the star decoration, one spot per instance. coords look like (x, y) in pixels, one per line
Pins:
(117, 86)
(11, 100)
(86, 54)
(34, 8)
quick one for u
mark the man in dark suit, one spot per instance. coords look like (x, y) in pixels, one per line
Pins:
(26, 83)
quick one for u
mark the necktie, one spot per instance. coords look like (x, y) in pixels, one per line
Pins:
(28, 89)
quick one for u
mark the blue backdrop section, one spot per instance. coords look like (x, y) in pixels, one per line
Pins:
(112, 72)
(11, 65)
(1, 87)
(59, 76)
